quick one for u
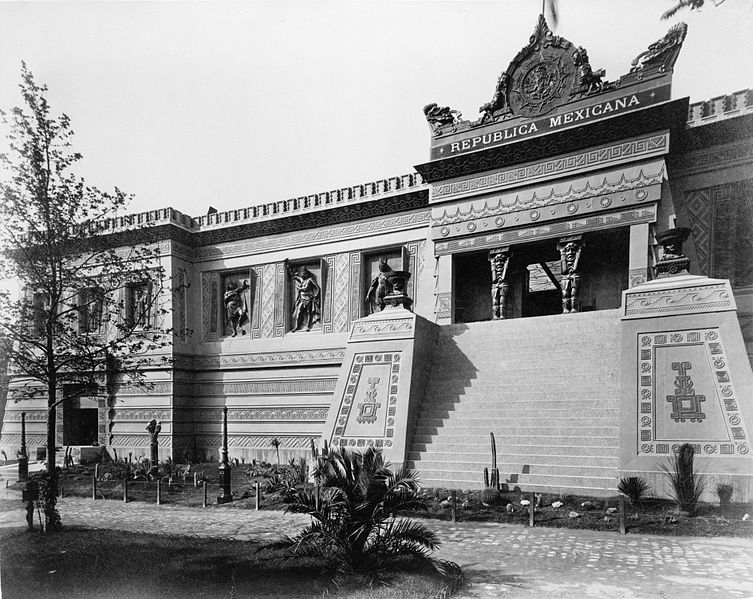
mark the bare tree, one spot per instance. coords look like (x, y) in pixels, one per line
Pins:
(89, 308)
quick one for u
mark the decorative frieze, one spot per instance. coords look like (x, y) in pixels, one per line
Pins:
(255, 441)
(285, 413)
(141, 414)
(264, 387)
(713, 158)
(443, 305)
(325, 234)
(144, 440)
(370, 328)
(31, 415)
(271, 359)
(617, 153)
(643, 302)
(162, 388)
(686, 394)
(32, 440)
(342, 284)
(644, 214)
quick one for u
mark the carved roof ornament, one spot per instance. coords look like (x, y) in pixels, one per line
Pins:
(662, 53)
(550, 72)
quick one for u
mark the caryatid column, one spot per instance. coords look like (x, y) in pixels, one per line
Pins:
(570, 249)
(499, 260)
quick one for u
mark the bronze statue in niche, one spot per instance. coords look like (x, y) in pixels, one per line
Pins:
(379, 288)
(570, 249)
(307, 310)
(236, 307)
(141, 305)
(499, 260)
(153, 428)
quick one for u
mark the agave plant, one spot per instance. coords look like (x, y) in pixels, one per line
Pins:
(634, 487)
(686, 482)
(354, 530)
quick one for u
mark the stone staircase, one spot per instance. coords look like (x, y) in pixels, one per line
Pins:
(547, 388)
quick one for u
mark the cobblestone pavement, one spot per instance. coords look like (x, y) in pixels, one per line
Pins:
(499, 560)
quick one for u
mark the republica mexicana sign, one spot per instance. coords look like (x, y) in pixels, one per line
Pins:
(478, 140)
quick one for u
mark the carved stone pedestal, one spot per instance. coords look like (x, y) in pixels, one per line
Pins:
(380, 384)
(685, 378)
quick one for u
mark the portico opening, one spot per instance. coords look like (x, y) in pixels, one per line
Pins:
(526, 280)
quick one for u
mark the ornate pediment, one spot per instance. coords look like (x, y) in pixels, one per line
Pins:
(550, 72)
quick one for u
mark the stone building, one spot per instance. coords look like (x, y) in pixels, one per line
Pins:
(521, 282)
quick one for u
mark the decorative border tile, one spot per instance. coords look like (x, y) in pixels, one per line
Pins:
(709, 338)
(701, 298)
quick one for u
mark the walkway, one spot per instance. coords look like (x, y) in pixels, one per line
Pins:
(507, 561)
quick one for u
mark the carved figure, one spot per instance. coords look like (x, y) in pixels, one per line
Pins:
(307, 310)
(379, 288)
(153, 428)
(570, 249)
(587, 77)
(141, 305)
(499, 261)
(438, 117)
(498, 101)
(663, 51)
(236, 308)
(673, 261)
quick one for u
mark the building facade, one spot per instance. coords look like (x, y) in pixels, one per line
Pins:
(519, 283)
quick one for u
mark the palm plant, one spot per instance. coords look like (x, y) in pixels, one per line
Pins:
(354, 530)
(634, 487)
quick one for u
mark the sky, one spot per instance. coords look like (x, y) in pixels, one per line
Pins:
(234, 104)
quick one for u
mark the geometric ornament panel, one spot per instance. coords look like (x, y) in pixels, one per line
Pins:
(686, 395)
(368, 409)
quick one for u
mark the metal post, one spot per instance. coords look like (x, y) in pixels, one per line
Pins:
(258, 493)
(622, 515)
(205, 494)
(125, 490)
(195, 480)
(158, 491)
(224, 467)
(23, 457)
(531, 508)
(94, 487)
(454, 505)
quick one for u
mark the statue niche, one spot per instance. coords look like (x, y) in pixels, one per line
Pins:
(307, 309)
(380, 287)
(236, 305)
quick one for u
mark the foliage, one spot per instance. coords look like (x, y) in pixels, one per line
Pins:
(724, 492)
(682, 4)
(634, 487)
(89, 314)
(686, 482)
(284, 479)
(354, 529)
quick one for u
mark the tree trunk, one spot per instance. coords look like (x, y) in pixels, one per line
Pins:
(51, 515)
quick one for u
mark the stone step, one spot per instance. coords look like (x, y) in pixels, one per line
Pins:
(507, 469)
(434, 417)
(523, 448)
(587, 488)
(505, 401)
(484, 458)
(450, 440)
(515, 429)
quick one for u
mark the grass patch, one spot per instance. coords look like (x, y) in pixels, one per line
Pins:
(81, 563)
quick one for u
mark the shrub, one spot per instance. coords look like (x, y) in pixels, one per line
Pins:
(687, 484)
(634, 487)
(724, 493)
(354, 530)
(491, 496)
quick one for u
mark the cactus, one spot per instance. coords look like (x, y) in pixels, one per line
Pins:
(494, 482)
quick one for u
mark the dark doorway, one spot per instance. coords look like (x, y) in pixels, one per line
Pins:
(80, 419)
(473, 281)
